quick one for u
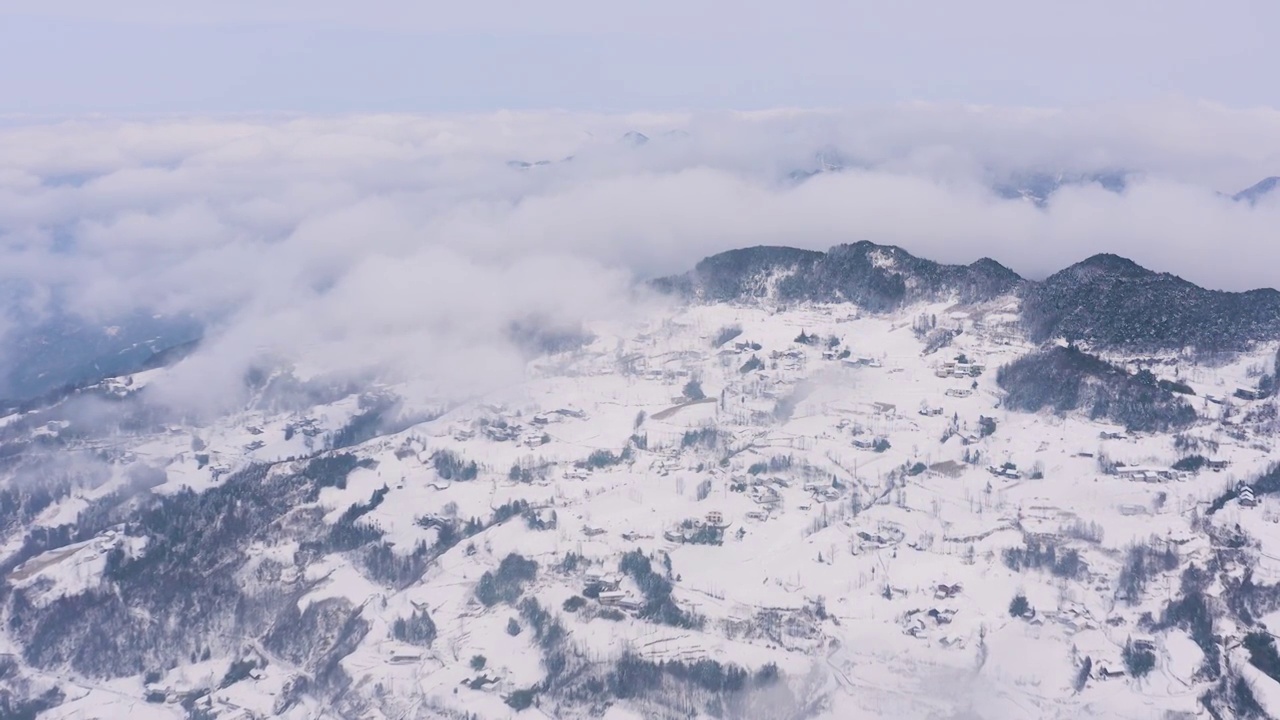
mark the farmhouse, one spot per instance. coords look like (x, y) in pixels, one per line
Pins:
(611, 597)
(1250, 394)
(1146, 474)
(1247, 497)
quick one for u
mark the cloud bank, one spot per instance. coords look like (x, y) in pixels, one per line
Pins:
(415, 241)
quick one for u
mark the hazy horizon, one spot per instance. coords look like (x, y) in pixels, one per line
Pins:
(76, 56)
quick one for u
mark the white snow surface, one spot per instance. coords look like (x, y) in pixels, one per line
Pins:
(851, 532)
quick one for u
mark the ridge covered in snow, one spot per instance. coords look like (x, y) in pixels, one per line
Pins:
(883, 497)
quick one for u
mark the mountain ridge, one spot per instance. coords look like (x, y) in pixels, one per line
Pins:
(1106, 300)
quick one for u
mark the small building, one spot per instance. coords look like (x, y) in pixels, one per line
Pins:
(884, 408)
(1108, 671)
(959, 392)
(1218, 465)
(1008, 470)
(946, 592)
(715, 518)
(864, 443)
(611, 597)
(1250, 394)
(1247, 497)
(603, 581)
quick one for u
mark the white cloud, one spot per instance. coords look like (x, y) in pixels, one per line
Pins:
(407, 241)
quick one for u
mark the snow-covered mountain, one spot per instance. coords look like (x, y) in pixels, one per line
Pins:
(1105, 300)
(1258, 190)
(1037, 187)
(852, 484)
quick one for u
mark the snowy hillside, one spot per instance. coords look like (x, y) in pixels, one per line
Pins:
(734, 509)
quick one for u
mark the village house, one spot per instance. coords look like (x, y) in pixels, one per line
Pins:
(1247, 497)
(603, 581)
(611, 597)
(1145, 474)
(884, 408)
(1250, 394)
(1008, 470)
(946, 592)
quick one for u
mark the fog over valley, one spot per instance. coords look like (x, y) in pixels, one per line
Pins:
(924, 409)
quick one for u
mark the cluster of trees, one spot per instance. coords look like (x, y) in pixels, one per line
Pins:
(1191, 613)
(704, 437)
(417, 629)
(1175, 386)
(1142, 561)
(451, 466)
(1190, 463)
(550, 635)
(938, 339)
(704, 489)
(659, 605)
(1086, 530)
(1019, 607)
(1043, 554)
(180, 598)
(240, 670)
(922, 324)
(1265, 484)
(376, 411)
(507, 583)
(1262, 653)
(1138, 659)
(332, 470)
(20, 708)
(1065, 379)
(348, 533)
(727, 333)
(777, 463)
(603, 458)
(383, 564)
(633, 676)
(805, 338)
(986, 426)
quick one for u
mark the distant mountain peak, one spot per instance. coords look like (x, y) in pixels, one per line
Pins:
(1105, 300)
(1110, 264)
(1258, 190)
(826, 160)
(634, 138)
(876, 277)
(1038, 186)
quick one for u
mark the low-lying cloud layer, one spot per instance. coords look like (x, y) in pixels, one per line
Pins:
(415, 242)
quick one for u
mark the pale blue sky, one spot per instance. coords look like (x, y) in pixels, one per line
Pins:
(74, 56)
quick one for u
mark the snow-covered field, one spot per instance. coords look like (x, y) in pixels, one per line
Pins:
(862, 509)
